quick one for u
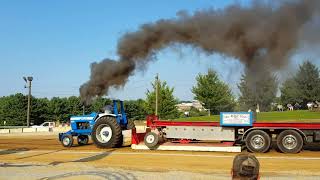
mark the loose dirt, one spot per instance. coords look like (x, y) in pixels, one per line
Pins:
(42, 156)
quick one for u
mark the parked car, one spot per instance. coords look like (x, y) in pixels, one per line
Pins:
(45, 124)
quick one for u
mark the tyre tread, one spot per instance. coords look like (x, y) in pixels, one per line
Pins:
(287, 132)
(116, 132)
(71, 141)
(265, 135)
(155, 143)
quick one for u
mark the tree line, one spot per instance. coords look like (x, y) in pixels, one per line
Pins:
(13, 108)
(214, 94)
(299, 88)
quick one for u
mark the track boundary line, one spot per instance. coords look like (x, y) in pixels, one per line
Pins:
(164, 154)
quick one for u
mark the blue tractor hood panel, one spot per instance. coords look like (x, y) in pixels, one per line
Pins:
(88, 117)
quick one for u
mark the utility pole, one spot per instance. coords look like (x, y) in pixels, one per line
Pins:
(157, 92)
(28, 80)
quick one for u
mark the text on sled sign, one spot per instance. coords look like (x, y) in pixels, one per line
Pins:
(236, 118)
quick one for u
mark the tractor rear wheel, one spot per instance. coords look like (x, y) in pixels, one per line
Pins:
(106, 132)
(130, 126)
(83, 140)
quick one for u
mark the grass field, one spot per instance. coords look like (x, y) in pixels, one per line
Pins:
(286, 116)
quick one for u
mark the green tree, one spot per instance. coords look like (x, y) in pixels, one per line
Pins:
(194, 112)
(74, 106)
(39, 111)
(58, 109)
(303, 87)
(290, 92)
(13, 110)
(166, 101)
(135, 109)
(213, 93)
(261, 91)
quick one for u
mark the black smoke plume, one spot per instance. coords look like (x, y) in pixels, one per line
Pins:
(260, 36)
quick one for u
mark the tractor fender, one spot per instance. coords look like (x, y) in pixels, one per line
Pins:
(103, 115)
(62, 134)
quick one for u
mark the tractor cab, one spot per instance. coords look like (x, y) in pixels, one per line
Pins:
(117, 111)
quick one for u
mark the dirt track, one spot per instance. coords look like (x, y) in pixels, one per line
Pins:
(34, 152)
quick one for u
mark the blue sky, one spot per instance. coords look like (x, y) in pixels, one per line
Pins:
(55, 41)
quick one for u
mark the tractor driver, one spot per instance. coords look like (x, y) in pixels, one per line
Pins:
(108, 109)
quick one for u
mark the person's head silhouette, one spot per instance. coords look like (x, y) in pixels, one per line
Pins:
(245, 167)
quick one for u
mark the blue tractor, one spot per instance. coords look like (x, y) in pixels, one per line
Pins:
(105, 128)
(81, 127)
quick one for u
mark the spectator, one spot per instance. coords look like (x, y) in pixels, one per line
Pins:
(245, 167)
(297, 106)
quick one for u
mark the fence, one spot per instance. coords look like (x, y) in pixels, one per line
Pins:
(33, 130)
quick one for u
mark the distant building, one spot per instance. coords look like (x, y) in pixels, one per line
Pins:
(186, 106)
(197, 104)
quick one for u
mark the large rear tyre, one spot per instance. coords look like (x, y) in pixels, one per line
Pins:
(67, 140)
(83, 140)
(106, 132)
(258, 141)
(130, 126)
(151, 140)
(289, 141)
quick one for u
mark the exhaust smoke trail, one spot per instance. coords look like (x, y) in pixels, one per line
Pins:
(261, 36)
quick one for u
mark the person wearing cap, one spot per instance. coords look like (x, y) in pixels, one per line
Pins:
(108, 109)
(245, 167)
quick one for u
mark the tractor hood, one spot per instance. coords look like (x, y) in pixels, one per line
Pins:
(89, 117)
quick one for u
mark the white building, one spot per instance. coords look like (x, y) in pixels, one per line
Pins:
(187, 106)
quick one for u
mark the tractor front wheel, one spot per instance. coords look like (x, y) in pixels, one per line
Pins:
(67, 140)
(83, 140)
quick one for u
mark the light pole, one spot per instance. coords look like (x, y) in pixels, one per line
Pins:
(157, 93)
(28, 80)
